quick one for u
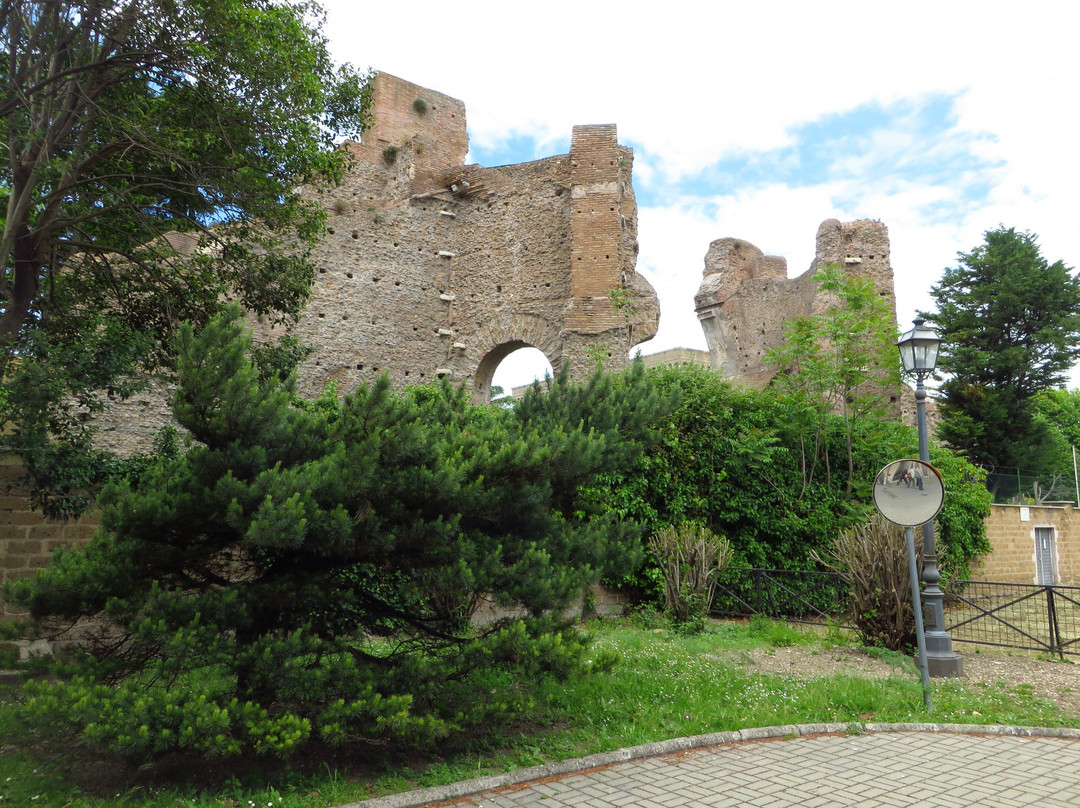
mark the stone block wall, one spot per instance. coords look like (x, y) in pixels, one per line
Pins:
(1010, 530)
(28, 539)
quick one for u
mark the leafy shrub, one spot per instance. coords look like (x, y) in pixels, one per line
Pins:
(735, 461)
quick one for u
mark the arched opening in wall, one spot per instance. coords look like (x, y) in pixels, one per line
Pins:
(510, 365)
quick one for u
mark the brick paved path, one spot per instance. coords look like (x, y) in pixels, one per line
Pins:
(891, 769)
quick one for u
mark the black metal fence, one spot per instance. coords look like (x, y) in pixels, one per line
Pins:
(1025, 616)
(1028, 616)
(803, 596)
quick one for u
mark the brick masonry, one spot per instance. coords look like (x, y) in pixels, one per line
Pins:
(431, 268)
(28, 539)
(746, 296)
(428, 268)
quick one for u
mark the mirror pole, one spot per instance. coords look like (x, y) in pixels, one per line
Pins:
(920, 634)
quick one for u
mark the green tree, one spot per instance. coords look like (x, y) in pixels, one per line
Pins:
(842, 361)
(1058, 413)
(730, 459)
(1010, 325)
(125, 122)
(308, 571)
(1061, 408)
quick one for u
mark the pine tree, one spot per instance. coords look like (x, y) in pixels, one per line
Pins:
(310, 570)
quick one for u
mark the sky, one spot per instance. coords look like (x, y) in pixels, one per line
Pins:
(758, 121)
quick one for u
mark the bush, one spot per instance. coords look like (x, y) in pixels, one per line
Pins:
(873, 557)
(691, 557)
(736, 461)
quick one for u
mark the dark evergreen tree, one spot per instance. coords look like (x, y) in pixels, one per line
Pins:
(310, 570)
(1010, 324)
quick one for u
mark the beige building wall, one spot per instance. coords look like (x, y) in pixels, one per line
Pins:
(1016, 532)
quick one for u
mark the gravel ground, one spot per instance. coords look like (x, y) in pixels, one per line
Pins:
(1052, 679)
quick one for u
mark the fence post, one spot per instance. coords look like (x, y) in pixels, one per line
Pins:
(757, 591)
(1055, 630)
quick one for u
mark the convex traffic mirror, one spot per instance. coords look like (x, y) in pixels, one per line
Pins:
(908, 492)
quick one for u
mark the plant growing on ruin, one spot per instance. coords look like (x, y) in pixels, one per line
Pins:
(308, 571)
(420, 106)
(598, 353)
(621, 302)
(390, 155)
(842, 361)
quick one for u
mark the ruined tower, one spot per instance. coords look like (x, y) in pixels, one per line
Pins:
(746, 296)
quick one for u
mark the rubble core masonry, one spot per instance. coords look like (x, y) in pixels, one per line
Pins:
(746, 297)
(432, 268)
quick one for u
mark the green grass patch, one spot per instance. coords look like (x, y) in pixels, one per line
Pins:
(667, 685)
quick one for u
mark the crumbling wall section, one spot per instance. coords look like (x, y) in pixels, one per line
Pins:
(430, 268)
(406, 113)
(746, 297)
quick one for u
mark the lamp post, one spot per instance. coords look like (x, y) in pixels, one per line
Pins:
(919, 353)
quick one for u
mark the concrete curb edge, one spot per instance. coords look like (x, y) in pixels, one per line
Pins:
(452, 791)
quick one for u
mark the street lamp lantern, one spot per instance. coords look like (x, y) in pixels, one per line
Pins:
(919, 349)
(919, 353)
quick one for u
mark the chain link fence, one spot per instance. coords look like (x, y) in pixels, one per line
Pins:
(1014, 488)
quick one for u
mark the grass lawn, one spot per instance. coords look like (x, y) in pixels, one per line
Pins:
(667, 685)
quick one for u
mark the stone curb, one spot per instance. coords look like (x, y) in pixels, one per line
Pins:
(413, 799)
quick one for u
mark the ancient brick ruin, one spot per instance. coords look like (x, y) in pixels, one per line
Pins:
(746, 296)
(432, 268)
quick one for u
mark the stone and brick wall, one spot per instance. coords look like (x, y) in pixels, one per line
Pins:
(1011, 532)
(430, 268)
(28, 539)
(746, 296)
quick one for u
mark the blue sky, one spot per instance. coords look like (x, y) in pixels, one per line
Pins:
(942, 120)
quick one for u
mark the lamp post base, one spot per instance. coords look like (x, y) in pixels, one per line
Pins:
(941, 660)
(945, 667)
